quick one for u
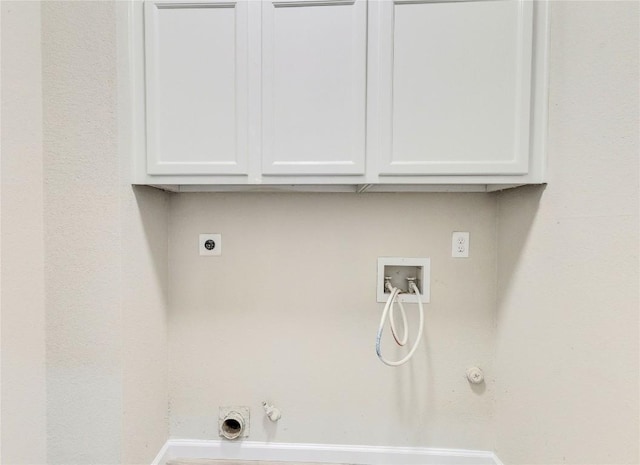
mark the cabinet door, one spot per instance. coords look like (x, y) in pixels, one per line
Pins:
(313, 87)
(196, 79)
(455, 86)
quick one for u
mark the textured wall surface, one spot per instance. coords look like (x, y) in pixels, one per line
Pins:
(82, 215)
(144, 274)
(288, 313)
(144, 316)
(106, 255)
(23, 435)
(567, 342)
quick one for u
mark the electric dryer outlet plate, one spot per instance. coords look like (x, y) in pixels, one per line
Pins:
(210, 244)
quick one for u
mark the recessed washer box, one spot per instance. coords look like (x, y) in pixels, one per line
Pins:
(399, 269)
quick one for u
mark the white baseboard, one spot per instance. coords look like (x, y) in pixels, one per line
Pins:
(320, 453)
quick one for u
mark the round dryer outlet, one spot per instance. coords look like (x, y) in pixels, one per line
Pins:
(233, 422)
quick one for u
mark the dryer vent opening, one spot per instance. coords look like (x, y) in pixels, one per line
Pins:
(231, 428)
(233, 422)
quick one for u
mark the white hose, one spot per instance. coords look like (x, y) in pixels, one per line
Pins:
(392, 319)
(385, 312)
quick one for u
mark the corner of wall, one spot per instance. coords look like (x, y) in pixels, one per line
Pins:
(567, 329)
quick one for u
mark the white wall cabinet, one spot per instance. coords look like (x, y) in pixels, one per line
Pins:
(314, 57)
(335, 94)
(454, 87)
(196, 68)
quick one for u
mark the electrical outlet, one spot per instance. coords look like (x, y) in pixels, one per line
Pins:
(460, 244)
(210, 244)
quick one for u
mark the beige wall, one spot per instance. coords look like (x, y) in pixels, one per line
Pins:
(145, 425)
(22, 351)
(288, 313)
(567, 341)
(84, 255)
(106, 255)
(83, 248)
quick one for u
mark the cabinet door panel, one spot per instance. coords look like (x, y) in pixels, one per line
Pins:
(455, 87)
(196, 75)
(313, 87)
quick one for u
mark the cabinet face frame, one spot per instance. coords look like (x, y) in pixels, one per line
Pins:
(348, 127)
(382, 33)
(232, 158)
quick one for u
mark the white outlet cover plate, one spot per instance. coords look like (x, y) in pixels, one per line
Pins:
(424, 278)
(460, 244)
(216, 238)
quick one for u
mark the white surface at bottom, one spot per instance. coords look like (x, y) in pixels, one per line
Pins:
(319, 453)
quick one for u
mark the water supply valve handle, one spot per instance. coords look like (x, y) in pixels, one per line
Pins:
(272, 412)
